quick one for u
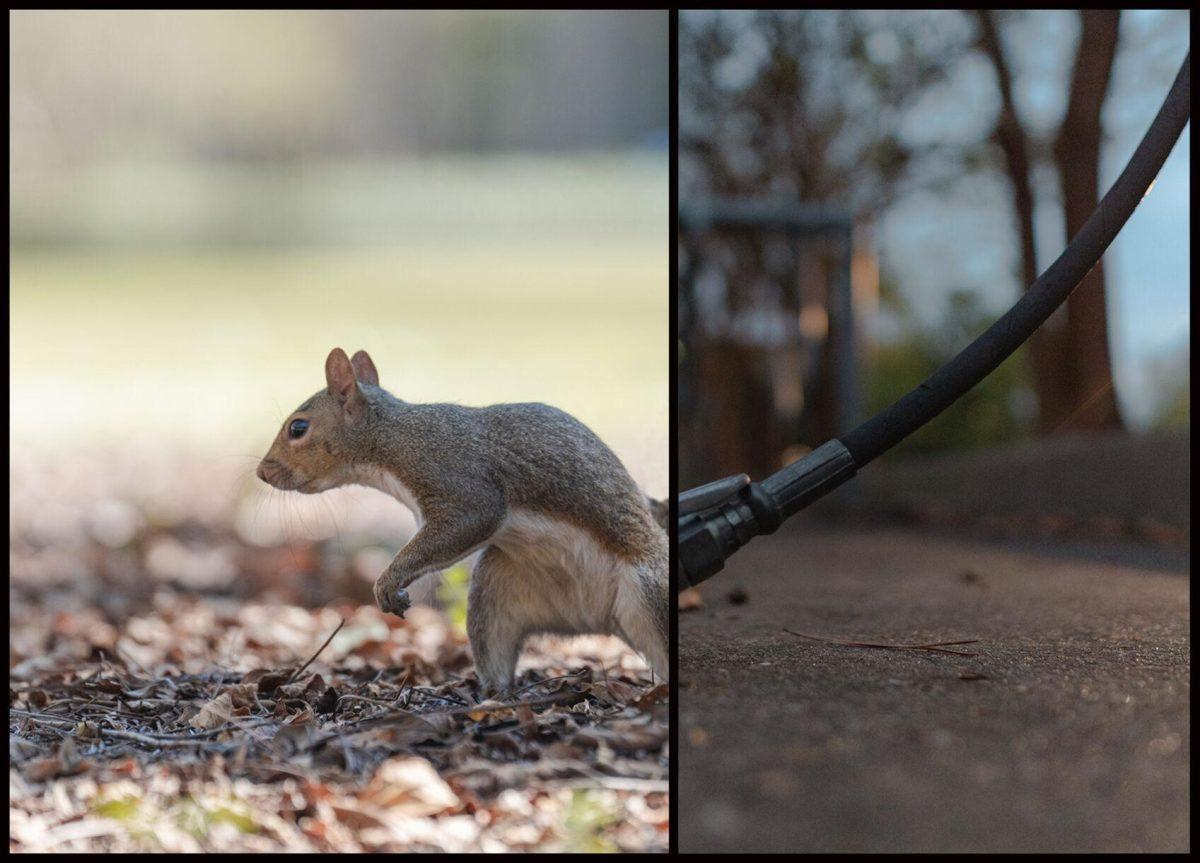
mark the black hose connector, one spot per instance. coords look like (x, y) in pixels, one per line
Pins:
(719, 518)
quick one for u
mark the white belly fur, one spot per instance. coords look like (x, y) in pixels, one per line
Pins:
(564, 569)
(387, 483)
(561, 567)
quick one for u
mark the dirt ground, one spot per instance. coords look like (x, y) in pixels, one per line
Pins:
(1066, 730)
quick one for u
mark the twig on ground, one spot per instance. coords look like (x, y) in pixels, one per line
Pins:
(547, 680)
(312, 658)
(934, 647)
(155, 739)
(369, 722)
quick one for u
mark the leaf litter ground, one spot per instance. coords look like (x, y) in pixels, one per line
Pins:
(149, 710)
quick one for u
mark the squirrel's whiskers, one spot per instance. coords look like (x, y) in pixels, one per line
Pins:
(567, 544)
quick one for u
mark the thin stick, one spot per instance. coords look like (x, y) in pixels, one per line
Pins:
(312, 658)
(368, 722)
(935, 647)
(557, 698)
(148, 739)
(51, 719)
(547, 680)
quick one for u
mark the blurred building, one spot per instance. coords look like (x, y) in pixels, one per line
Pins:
(775, 304)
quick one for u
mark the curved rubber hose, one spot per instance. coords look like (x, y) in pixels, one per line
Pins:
(1052, 288)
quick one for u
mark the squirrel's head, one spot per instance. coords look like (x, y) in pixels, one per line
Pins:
(309, 454)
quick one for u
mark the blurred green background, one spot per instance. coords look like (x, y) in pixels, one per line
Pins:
(204, 203)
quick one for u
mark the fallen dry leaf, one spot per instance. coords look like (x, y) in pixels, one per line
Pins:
(246, 719)
(690, 600)
(410, 786)
(657, 695)
(213, 714)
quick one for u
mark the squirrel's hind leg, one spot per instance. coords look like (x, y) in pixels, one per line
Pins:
(642, 612)
(494, 625)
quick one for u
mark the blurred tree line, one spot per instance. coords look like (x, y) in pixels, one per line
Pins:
(270, 85)
(817, 106)
(997, 410)
(278, 127)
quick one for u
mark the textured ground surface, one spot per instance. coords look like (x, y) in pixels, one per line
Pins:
(161, 698)
(1067, 731)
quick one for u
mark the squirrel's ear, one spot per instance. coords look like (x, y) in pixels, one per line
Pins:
(339, 376)
(364, 369)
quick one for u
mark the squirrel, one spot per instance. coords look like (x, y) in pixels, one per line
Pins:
(569, 543)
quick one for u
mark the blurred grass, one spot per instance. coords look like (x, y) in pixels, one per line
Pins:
(546, 293)
(388, 202)
(587, 821)
(452, 590)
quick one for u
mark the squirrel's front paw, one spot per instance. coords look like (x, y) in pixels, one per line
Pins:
(400, 602)
(393, 600)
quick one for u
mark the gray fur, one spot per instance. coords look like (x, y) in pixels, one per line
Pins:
(468, 470)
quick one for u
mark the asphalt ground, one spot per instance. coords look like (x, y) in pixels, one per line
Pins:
(1067, 731)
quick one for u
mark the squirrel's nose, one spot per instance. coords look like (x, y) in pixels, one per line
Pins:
(262, 471)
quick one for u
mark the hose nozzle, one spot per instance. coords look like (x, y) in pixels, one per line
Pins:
(717, 519)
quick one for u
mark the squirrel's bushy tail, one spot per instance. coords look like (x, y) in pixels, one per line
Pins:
(661, 510)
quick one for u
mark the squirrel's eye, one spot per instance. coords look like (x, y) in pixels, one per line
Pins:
(297, 428)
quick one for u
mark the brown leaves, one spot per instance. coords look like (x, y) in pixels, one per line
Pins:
(66, 761)
(144, 717)
(657, 695)
(266, 682)
(409, 786)
(37, 699)
(214, 713)
(400, 731)
(397, 756)
(627, 737)
(487, 709)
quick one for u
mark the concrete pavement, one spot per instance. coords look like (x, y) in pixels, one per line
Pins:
(1068, 731)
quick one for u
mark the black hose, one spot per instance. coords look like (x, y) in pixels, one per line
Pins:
(997, 343)
(718, 519)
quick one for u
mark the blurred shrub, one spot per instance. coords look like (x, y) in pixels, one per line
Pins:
(1175, 411)
(999, 409)
(1170, 374)
(452, 595)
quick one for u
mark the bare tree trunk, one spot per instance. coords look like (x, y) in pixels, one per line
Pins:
(1047, 347)
(1093, 401)
(1072, 368)
(737, 430)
